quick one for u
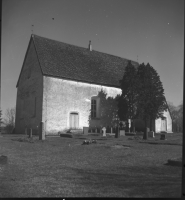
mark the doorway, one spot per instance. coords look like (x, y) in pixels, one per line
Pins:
(163, 124)
(74, 120)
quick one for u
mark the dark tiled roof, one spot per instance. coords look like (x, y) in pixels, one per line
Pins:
(67, 61)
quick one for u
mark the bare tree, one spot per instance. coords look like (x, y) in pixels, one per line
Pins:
(9, 119)
(177, 116)
(180, 118)
(0, 121)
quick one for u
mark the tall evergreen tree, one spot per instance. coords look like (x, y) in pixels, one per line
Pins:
(128, 99)
(151, 99)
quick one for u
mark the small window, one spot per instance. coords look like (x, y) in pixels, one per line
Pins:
(74, 120)
(93, 108)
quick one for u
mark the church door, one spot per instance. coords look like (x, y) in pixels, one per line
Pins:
(163, 125)
(74, 120)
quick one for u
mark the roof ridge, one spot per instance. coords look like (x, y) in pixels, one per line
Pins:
(60, 59)
(83, 47)
(57, 41)
(116, 56)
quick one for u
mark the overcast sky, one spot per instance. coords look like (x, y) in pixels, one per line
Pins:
(153, 30)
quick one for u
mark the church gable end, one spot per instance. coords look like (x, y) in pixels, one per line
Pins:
(29, 92)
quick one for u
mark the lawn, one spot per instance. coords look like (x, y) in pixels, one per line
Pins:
(112, 167)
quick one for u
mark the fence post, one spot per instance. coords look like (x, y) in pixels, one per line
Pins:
(41, 131)
(117, 135)
(30, 133)
(26, 131)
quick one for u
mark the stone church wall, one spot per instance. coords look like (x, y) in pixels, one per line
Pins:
(29, 94)
(61, 97)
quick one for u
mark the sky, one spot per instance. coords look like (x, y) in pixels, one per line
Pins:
(149, 31)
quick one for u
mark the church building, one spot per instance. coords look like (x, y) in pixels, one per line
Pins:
(59, 84)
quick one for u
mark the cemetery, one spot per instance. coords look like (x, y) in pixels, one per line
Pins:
(91, 117)
(90, 165)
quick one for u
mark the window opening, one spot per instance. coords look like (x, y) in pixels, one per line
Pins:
(93, 108)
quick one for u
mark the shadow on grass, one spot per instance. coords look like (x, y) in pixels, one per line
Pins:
(81, 138)
(160, 143)
(13, 135)
(126, 145)
(24, 139)
(94, 134)
(175, 162)
(29, 140)
(154, 183)
(101, 139)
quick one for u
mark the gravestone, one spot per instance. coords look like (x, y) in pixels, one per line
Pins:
(117, 134)
(145, 135)
(104, 131)
(139, 133)
(30, 133)
(25, 131)
(3, 160)
(151, 134)
(163, 137)
(85, 130)
(122, 132)
(41, 131)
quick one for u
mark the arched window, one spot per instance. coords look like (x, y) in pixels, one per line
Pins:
(74, 120)
(95, 107)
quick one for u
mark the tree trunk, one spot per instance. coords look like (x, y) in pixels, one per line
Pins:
(133, 126)
(151, 128)
(145, 136)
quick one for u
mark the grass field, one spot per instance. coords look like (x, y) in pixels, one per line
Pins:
(113, 167)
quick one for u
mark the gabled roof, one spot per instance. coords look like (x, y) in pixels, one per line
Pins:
(68, 61)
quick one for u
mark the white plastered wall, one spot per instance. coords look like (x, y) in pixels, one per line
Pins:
(61, 97)
(168, 120)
